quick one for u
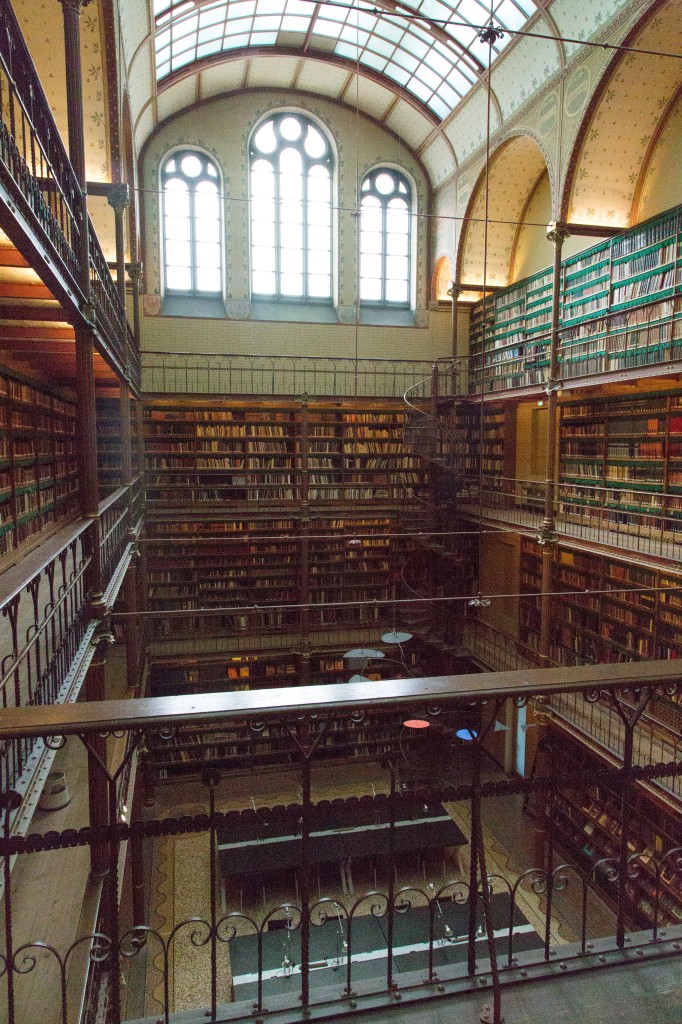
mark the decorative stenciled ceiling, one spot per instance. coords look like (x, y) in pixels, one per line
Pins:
(625, 122)
(513, 173)
(430, 48)
(42, 26)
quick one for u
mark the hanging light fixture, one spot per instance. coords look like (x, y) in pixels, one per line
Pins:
(396, 637)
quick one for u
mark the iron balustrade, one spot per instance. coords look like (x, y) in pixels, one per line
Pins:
(111, 317)
(32, 154)
(589, 512)
(495, 649)
(116, 517)
(653, 741)
(656, 737)
(493, 952)
(316, 376)
(47, 616)
(35, 167)
(255, 630)
(45, 619)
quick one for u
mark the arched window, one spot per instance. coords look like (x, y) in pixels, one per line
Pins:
(291, 210)
(190, 184)
(385, 238)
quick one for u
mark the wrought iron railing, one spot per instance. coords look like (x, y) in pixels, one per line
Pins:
(35, 166)
(46, 612)
(495, 649)
(317, 376)
(655, 738)
(115, 519)
(31, 149)
(481, 927)
(591, 513)
(111, 316)
(47, 618)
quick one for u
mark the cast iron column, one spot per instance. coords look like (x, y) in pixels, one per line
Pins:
(85, 371)
(547, 538)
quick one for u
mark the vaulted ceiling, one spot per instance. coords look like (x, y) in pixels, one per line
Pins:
(417, 68)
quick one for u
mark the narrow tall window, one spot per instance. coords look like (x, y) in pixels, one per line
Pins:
(191, 224)
(291, 210)
(385, 209)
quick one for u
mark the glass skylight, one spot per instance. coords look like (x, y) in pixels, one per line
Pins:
(430, 48)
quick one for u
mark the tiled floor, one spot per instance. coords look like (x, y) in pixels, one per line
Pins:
(511, 847)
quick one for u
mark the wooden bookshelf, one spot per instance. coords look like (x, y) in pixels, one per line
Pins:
(217, 453)
(109, 445)
(612, 610)
(200, 563)
(241, 749)
(630, 447)
(220, 451)
(587, 827)
(480, 438)
(509, 336)
(530, 587)
(281, 515)
(38, 460)
(621, 308)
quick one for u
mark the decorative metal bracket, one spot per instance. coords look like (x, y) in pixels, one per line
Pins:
(547, 535)
(89, 312)
(490, 34)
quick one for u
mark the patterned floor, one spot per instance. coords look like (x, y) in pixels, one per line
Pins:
(181, 889)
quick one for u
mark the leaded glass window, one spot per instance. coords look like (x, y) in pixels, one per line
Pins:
(190, 185)
(385, 238)
(291, 165)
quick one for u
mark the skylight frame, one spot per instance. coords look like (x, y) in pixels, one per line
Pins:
(420, 46)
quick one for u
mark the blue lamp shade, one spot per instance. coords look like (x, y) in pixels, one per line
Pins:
(466, 734)
(394, 637)
(358, 679)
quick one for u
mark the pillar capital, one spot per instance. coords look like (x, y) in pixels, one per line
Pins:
(76, 6)
(454, 290)
(135, 272)
(557, 232)
(118, 197)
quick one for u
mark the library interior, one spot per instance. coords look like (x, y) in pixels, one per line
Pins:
(340, 510)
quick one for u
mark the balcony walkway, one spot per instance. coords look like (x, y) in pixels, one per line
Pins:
(624, 536)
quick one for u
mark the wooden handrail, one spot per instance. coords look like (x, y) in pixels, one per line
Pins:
(156, 712)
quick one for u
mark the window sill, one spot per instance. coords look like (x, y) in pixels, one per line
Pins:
(205, 307)
(384, 316)
(293, 312)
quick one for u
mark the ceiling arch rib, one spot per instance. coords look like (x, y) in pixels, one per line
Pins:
(513, 173)
(429, 48)
(611, 153)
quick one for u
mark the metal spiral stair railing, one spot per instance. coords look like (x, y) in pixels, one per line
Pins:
(425, 434)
